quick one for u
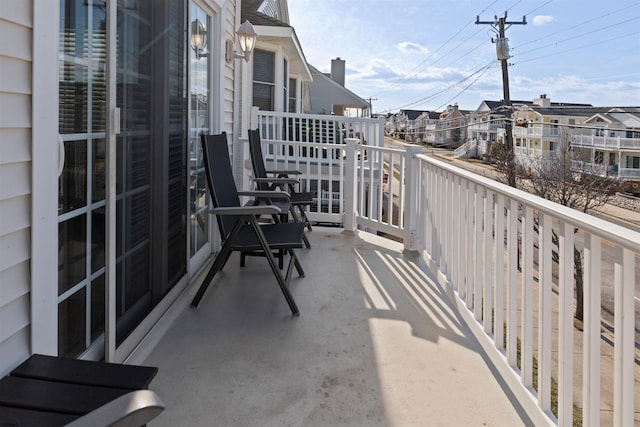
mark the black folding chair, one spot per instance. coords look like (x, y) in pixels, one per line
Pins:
(239, 226)
(269, 180)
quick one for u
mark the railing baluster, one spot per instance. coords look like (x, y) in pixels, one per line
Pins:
(526, 354)
(624, 345)
(499, 274)
(488, 264)
(512, 284)
(565, 318)
(592, 304)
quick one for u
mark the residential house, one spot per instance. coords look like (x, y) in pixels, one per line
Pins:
(451, 130)
(403, 124)
(426, 124)
(328, 94)
(486, 125)
(540, 128)
(612, 146)
(101, 142)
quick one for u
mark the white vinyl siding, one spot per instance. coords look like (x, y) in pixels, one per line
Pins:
(15, 174)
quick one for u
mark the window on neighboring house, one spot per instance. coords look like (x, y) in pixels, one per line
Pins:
(598, 157)
(553, 146)
(633, 133)
(554, 127)
(263, 79)
(633, 162)
(572, 123)
(612, 159)
(293, 94)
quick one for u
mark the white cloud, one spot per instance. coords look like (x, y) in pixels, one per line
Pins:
(542, 19)
(412, 48)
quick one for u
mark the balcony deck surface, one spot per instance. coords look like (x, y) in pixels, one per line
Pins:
(377, 344)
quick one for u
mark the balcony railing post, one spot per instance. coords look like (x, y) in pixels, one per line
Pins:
(350, 187)
(411, 200)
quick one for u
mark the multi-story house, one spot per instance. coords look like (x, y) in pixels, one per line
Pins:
(403, 124)
(451, 129)
(611, 145)
(486, 125)
(540, 128)
(75, 103)
(426, 125)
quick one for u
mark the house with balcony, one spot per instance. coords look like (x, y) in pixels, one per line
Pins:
(106, 235)
(540, 128)
(425, 127)
(403, 124)
(612, 147)
(451, 129)
(486, 125)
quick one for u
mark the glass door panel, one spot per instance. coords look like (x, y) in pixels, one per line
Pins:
(151, 236)
(200, 30)
(151, 163)
(82, 98)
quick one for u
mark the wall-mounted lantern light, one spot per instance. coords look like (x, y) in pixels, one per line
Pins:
(247, 38)
(199, 38)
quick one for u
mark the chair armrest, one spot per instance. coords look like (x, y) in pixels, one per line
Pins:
(284, 172)
(247, 210)
(267, 194)
(277, 180)
(129, 410)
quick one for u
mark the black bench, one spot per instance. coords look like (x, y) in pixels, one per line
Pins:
(56, 391)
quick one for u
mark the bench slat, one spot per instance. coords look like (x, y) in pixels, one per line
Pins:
(86, 372)
(52, 396)
(31, 418)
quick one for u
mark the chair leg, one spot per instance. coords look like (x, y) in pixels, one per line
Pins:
(218, 263)
(292, 210)
(303, 214)
(294, 259)
(276, 271)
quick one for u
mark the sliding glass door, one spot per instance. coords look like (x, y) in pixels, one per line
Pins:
(154, 152)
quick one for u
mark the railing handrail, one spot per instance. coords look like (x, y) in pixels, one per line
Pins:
(614, 233)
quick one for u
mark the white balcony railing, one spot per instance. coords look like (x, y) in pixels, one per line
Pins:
(605, 170)
(492, 248)
(606, 142)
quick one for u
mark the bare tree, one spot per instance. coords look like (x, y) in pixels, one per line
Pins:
(561, 179)
(503, 163)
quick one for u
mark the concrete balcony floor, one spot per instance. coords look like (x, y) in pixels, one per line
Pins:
(377, 344)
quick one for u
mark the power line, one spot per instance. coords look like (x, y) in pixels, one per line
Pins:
(599, 17)
(443, 91)
(412, 71)
(582, 35)
(467, 87)
(572, 49)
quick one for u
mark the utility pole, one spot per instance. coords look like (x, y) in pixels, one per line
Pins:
(371, 105)
(502, 50)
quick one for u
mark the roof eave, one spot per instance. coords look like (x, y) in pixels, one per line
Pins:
(286, 36)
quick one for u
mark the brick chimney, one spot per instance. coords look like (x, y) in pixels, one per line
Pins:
(338, 71)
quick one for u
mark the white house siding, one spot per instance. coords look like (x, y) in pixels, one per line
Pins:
(15, 179)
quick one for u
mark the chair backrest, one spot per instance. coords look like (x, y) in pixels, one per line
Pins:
(222, 186)
(257, 161)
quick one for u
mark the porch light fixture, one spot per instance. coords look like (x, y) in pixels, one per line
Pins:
(247, 38)
(199, 38)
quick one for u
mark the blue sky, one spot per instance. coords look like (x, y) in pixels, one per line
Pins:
(419, 54)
